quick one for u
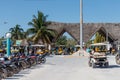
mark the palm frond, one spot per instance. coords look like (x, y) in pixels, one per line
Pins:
(40, 30)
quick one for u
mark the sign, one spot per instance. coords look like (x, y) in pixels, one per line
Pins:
(18, 42)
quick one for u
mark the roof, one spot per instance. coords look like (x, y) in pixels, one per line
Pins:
(89, 29)
(38, 45)
(98, 44)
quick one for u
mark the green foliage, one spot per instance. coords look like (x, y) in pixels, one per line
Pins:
(99, 38)
(1, 40)
(61, 40)
(66, 42)
(17, 33)
(88, 43)
(71, 42)
(39, 30)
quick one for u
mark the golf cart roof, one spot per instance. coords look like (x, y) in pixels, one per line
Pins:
(37, 45)
(77, 45)
(99, 44)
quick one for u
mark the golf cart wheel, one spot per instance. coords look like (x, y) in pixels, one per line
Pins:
(93, 65)
(117, 58)
(106, 64)
(100, 65)
(118, 61)
(90, 64)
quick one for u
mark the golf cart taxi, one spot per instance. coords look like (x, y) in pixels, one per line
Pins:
(98, 59)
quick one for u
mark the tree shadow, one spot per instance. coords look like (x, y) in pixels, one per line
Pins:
(23, 72)
(18, 75)
(36, 66)
(15, 76)
(26, 71)
(49, 56)
(114, 66)
(50, 63)
(11, 78)
(109, 67)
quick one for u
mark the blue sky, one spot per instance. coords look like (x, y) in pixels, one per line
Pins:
(21, 11)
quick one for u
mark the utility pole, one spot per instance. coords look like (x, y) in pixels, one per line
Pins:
(81, 23)
(106, 35)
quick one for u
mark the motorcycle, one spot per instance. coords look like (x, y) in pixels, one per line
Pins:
(3, 71)
(42, 58)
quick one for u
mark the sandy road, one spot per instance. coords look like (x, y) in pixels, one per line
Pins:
(69, 68)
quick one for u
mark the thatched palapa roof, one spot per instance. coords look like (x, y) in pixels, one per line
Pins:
(89, 29)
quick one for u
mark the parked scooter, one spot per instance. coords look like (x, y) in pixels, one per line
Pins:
(3, 71)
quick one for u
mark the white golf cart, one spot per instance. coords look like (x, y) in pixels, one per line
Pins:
(98, 57)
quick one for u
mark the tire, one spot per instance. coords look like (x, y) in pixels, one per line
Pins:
(0, 76)
(43, 60)
(117, 58)
(39, 60)
(28, 64)
(9, 71)
(106, 64)
(3, 73)
(100, 65)
(93, 65)
(90, 64)
(15, 69)
(24, 66)
(12, 69)
(33, 61)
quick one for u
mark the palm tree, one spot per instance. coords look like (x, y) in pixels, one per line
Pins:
(1, 41)
(62, 40)
(17, 33)
(39, 30)
(99, 38)
(71, 42)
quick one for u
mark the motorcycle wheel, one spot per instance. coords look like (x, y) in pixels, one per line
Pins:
(24, 66)
(10, 72)
(43, 60)
(4, 73)
(0, 76)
